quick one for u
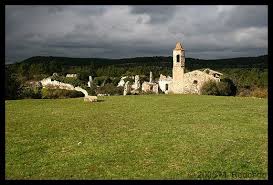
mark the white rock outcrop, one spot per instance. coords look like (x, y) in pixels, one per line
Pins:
(90, 98)
(81, 90)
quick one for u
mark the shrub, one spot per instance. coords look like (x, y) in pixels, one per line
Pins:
(58, 78)
(260, 93)
(226, 87)
(115, 81)
(13, 86)
(210, 88)
(60, 93)
(244, 92)
(131, 81)
(254, 91)
(110, 89)
(83, 76)
(39, 77)
(91, 90)
(73, 81)
(69, 80)
(31, 92)
(102, 80)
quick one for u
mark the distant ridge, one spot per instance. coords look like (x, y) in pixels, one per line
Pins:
(191, 63)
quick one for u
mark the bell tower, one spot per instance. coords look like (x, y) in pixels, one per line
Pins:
(178, 62)
(178, 68)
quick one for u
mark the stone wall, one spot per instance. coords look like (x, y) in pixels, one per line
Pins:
(149, 87)
(136, 85)
(56, 84)
(127, 88)
(194, 80)
(176, 87)
(163, 81)
(81, 90)
(48, 82)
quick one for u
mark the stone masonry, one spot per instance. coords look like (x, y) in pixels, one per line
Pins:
(184, 83)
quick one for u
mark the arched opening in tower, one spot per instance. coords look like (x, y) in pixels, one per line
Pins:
(177, 58)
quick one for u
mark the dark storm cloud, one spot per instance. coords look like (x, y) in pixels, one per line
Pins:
(130, 31)
(247, 16)
(158, 14)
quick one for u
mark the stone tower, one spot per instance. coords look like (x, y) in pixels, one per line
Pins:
(178, 68)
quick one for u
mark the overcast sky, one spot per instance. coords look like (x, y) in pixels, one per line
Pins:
(206, 32)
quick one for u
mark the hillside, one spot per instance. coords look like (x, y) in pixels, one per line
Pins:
(191, 63)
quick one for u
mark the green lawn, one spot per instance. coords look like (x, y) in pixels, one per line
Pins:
(137, 137)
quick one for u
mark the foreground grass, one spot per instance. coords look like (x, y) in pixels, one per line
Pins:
(137, 137)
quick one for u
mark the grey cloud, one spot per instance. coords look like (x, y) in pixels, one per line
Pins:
(206, 19)
(251, 49)
(55, 9)
(248, 16)
(139, 20)
(120, 31)
(89, 10)
(77, 44)
(158, 14)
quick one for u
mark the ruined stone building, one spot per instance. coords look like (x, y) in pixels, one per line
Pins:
(136, 87)
(130, 89)
(164, 83)
(183, 83)
(179, 83)
(150, 86)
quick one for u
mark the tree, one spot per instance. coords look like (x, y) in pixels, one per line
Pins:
(209, 88)
(91, 90)
(23, 71)
(110, 89)
(13, 86)
(226, 87)
(102, 80)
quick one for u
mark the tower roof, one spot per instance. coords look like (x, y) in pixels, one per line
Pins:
(179, 46)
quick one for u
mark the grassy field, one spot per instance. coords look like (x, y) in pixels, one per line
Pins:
(137, 137)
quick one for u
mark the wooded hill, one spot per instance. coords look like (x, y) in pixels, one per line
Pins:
(191, 63)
